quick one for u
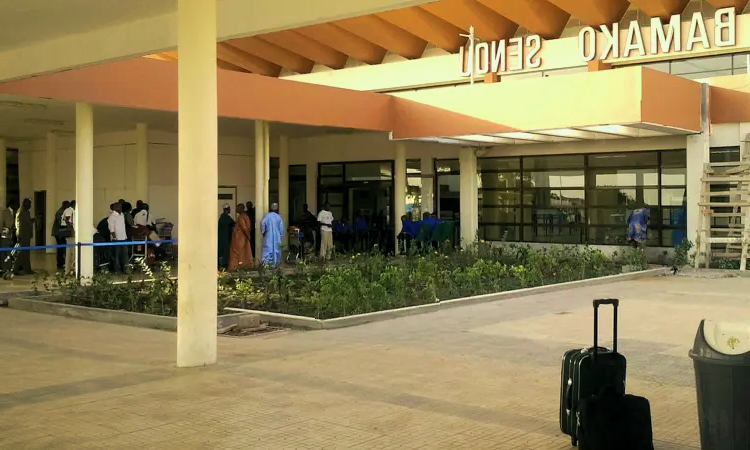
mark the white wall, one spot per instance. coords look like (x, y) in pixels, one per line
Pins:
(114, 170)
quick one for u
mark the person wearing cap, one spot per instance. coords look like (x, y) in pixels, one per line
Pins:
(272, 229)
(240, 252)
(226, 225)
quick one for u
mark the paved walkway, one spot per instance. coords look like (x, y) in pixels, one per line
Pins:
(478, 377)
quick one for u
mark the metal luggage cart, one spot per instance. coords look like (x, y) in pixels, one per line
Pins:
(164, 231)
(295, 244)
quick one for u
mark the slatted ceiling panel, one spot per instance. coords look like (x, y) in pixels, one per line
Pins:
(221, 64)
(660, 8)
(247, 61)
(273, 54)
(345, 42)
(427, 26)
(540, 17)
(594, 12)
(308, 48)
(488, 25)
(384, 34)
(697, 6)
(738, 4)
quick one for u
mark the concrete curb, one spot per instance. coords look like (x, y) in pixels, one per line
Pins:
(309, 323)
(140, 320)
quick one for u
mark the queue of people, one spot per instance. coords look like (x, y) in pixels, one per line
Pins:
(236, 237)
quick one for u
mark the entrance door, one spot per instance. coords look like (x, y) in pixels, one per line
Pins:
(227, 194)
(40, 217)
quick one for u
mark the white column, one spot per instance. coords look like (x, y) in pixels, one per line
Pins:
(84, 212)
(260, 185)
(428, 180)
(141, 162)
(311, 194)
(51, 186)
(198, 182)
(399, 191)
(284, 179)
(697, 156)
(3, 174)
(468, 196)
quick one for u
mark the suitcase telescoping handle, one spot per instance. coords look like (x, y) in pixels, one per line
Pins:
(615, 304)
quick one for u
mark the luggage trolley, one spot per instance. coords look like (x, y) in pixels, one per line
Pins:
(164, 231)
(296, 242)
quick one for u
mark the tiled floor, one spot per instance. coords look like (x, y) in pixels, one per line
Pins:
(477, 377)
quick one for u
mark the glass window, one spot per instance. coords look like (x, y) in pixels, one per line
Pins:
(374, 171)
(448, 196)
(413, 167)
(494, 214)
(630, 159)
(674, 168)
(331, 170)
(331, 181)
(554, 179)
(446, 166)
(498, 164)
(623, 197)
(724, 154)
(554, 198)
(299, 170)
(739, 62)
(553, 162)
(495, 232)
(702, 75)
(613, 177)
(499, 197)
(554, 233)
(501, 180)
(414, 196)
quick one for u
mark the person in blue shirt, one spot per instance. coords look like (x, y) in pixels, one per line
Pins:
(361, 230)
(407, 233)
(638, 227)
(342, 234)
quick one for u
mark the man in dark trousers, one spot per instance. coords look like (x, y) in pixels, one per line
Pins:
(61, 232)
(24, 229)
(250, 211)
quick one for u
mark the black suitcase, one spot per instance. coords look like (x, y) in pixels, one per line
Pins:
(615, 423)
(590, 371)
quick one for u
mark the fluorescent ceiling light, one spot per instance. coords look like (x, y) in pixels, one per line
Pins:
(24, 105)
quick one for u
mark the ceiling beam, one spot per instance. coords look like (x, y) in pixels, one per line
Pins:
(739, 5)
(427, 26)
(488, 25)
(538, 16)
(594, 12)
(345, 42)
(273, 53)
(308, 48)
(221, 64)
(663, 9)
(239, 58)
(386, 35)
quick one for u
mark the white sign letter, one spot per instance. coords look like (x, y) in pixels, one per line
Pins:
(662, 42)
(697, 33)
(482, 56)
(535, 44)
(498, 56)
(725, 19)
(613, 41)
(587, 44)
(465, 65)
(634, 41)
(517, 52)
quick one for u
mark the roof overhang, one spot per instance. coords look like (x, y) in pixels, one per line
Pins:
(152, 84)
(628, 102)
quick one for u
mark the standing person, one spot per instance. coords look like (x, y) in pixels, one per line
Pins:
(68, 218)
(226, 226)
(7, 230)
(24, 230)
(325, 219)
(250, 211)
(638, 227)
(241, 252)
(60, 232)
(137, 209)
(309, 227)
(118, 234)
(272, 228)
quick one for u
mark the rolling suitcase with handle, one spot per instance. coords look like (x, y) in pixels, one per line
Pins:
(614, 422)
(588, 372)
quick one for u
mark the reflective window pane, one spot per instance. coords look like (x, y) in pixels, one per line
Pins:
(413, 167)
(553, 162)
(618, 235)
(499, 215)
(674, 197)
(331, 181)
(554, 216)
(331, 170)
(613, 177)
(623, 197)
(375, 171)
(507, 180)
(414, 196)
(693, 65)
(552, 233)
(298, 170)
(446, 166)
(554, 179)
(629, 159)
(498, 164)
(448, 196)
(499, 198)
(491, 232)
(554, 198)
(673, 238)
(724, 154)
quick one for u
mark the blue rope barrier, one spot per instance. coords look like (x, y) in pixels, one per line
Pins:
(88, 244)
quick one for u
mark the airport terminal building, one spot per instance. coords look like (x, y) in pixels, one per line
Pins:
(540, 121)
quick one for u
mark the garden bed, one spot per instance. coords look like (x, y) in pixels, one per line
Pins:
(358, 284)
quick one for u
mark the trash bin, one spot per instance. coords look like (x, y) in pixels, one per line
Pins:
(721, 358)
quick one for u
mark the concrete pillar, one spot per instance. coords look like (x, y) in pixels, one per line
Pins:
(698, 151)
(141, 162)
(198, 182)
(267, 165)
(428, 182)
(284, 180)
(312, 187)
(51, 187)
(261, 195)
(468, 196)
(84, 212)
(3, 174)
(399, 191)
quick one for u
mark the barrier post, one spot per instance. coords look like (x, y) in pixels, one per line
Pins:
(78, 261)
